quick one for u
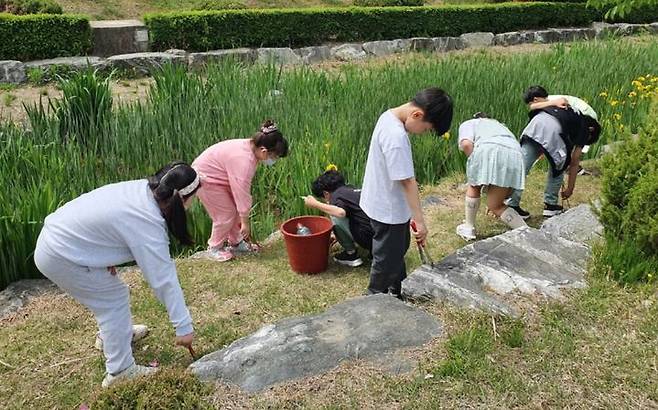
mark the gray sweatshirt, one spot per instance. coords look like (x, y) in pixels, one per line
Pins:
(115, 224)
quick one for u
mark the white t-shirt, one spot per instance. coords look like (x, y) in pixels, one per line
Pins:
(476, 128)
(578, 105)
(115, 224)
(389, 162)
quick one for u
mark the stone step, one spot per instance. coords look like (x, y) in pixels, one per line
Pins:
(368, 327)
(524, 261)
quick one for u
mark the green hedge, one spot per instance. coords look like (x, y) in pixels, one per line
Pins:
(39, 36)
(208, 30)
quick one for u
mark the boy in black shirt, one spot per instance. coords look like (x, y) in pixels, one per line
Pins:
(341, 203)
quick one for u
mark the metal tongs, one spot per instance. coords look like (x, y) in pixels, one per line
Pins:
(425, 257)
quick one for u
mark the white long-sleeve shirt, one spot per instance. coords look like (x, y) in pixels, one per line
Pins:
(115, 224)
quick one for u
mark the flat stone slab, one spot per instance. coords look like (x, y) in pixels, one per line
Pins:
(17, 294)
(243, 55)
(367, 327)
(143, 63)
(524, 261)
(578, 224)
(73, 63)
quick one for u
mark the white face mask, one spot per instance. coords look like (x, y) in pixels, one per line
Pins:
(269, 161)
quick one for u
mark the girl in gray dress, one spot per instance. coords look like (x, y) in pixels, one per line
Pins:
(494, 163)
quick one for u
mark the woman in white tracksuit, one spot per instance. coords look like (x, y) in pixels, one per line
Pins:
(82, 241)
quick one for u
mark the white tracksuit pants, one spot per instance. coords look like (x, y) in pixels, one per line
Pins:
(106, 295)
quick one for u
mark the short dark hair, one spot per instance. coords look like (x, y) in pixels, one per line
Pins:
(593, 135)
(270, 138)
(481, 114)
(437, 106)
(534, 91)
(329, 181)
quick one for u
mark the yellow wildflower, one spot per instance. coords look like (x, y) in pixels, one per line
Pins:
(331, 167)
(636, 84)
(614, 102)
(617, 116)
(446, 136)
(632, 94)
(603, 94)
(327, 145)
(654, 79)
(641, 79)
(621, 127)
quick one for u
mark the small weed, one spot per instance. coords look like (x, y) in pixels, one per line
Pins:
(467, 352)
(7, 87)
(8, 99)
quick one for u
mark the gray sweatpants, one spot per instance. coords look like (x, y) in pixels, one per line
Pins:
(106, 295)
(389, 245)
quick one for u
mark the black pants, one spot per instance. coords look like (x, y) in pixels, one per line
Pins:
(389, 245)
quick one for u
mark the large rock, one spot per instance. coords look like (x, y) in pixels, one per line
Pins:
(626, 29)
(12, 72)
(575, 34)
(603, 29)
(523, 261)
(348, 52)
(387, 47)
(70, 63)
(368, 327)
(143, 63)
(113, 37)
(314, 55)
(547, 36)
(479, 39)
(653, 28)
(17, 294)
(578, 224)
(422, 44)
(443, 44)
(278, 56)
(242, 55)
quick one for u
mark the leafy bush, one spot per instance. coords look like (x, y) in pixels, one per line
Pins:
(40, 36)
(30, 7)
(220, 5)
(209, 30)
(167, 389)
(389, 3)
(629, 210)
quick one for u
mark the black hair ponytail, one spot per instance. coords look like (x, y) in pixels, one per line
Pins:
(165, 185)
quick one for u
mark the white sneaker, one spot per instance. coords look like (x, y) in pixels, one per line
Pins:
(139, 333)
(130, 373)
(466, 232)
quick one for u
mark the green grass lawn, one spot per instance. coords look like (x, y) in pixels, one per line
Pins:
(597, 349)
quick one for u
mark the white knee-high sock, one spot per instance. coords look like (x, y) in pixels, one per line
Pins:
(472, 206)
(512, 218)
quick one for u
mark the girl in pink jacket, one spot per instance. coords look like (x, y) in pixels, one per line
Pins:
(226, 170)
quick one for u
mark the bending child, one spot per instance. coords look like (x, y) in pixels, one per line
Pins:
(227, 169)
(84, 239)
(560, 135)
(495, 163)
(341, 203)
(390, 192)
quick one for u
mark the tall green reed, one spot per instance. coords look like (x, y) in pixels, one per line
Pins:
(327, 115)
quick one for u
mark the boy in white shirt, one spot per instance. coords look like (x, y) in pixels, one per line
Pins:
(390, 192)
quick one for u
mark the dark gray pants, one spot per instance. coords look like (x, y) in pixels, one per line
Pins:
(389, 245)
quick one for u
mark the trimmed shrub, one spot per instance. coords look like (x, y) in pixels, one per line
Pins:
(208, 30)
(389, 3)
(30, 7)
(629, 209)
(39, 36)
(220, 5)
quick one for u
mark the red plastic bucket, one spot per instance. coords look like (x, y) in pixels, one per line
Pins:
(310, 253)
